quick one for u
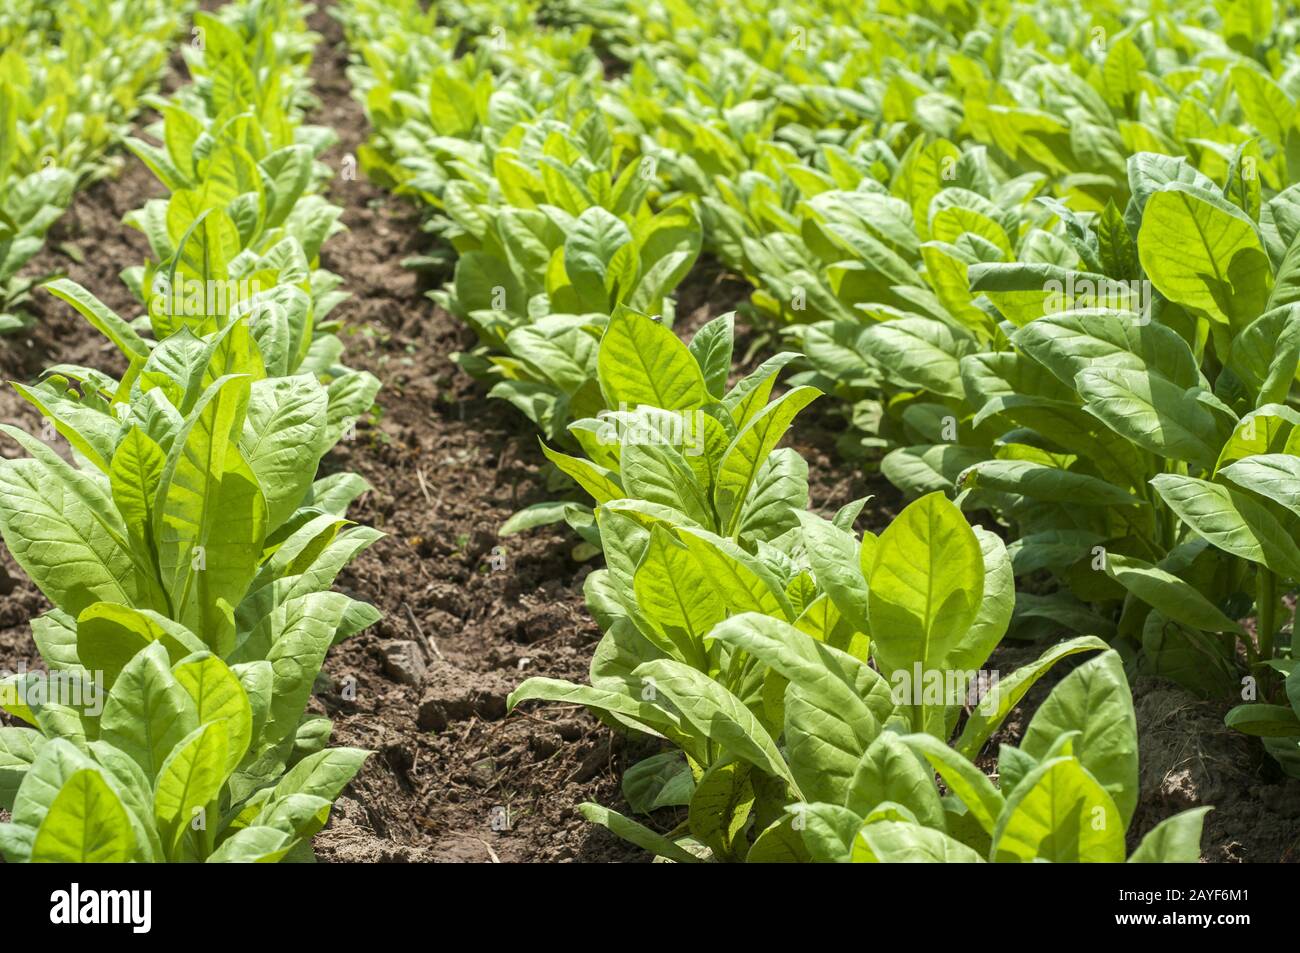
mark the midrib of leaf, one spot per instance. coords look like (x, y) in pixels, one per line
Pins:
(126, 599)
(1200, 232)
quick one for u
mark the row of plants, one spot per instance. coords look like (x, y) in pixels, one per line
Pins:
(734, 620)
(536, 191)
(768, 647)
(177, 528)
(1060, 268)
(72, 78)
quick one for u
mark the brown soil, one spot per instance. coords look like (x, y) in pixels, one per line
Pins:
(453, 778)
(1190, 758)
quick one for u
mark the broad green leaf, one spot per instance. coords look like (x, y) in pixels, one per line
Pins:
(1061, 814)
(1175, 840)
(147, 712)
(1095, 700)
(1203, 253)
(926, 586)
(86, 824)
(1165, 592)
(643, 362)
(890, 771)
(720, 807)
(717, 714)
(1232, 521)
(283, 440)
(900, 842)
(190, 779)
(1007, 692)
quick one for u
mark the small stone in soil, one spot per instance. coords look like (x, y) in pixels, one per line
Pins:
(403, 661)
(483, 772)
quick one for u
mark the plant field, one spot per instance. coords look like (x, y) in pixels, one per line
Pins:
(623, 431)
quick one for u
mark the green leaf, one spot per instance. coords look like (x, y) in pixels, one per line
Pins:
(779, 843)
(212, 516)
(1205, 254)
(962, 778)
(837, 559)
(219, 698)
(530, 517)
(588, 251)
(1264, 721)
(1007, 692)
(1232, 521)
(86, 824)
(189, 780)
(101, 317)
(712, 347)
(1061, 814)
(1095, 700)
(716, 714)
(638, 834)
(48, 527)
(598, 481)
(643, 362)
(829, 831)
(676, 596)
(919, 352)
(283, 440)
(147, 712)
(1165, 592)
(720, 807)
(1153, 413)
(900, 842)
(749, 450)
(1046, 483)
(661, 780)
(619, 703)
(926, 586)
(889, 771)
(1175, 840)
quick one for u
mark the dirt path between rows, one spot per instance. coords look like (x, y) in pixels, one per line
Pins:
(454, 780)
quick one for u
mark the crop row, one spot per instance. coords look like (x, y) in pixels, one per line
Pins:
(177, 528)
(1046, 261)
(72, 77)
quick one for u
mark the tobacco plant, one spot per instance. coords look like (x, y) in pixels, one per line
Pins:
(744, 630)
(183, 540)
(72, 77)
(172, 768)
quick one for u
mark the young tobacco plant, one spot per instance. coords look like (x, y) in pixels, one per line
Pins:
(743, 629)
(191, 493)
(189, 517)
(1066, 794)
(172, 769)
(71, 79)
(239, 236)
(544, 200)
(1146, 454)
(242, 216)
(574, 239)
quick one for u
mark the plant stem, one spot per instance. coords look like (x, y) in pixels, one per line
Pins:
(1265, 616)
